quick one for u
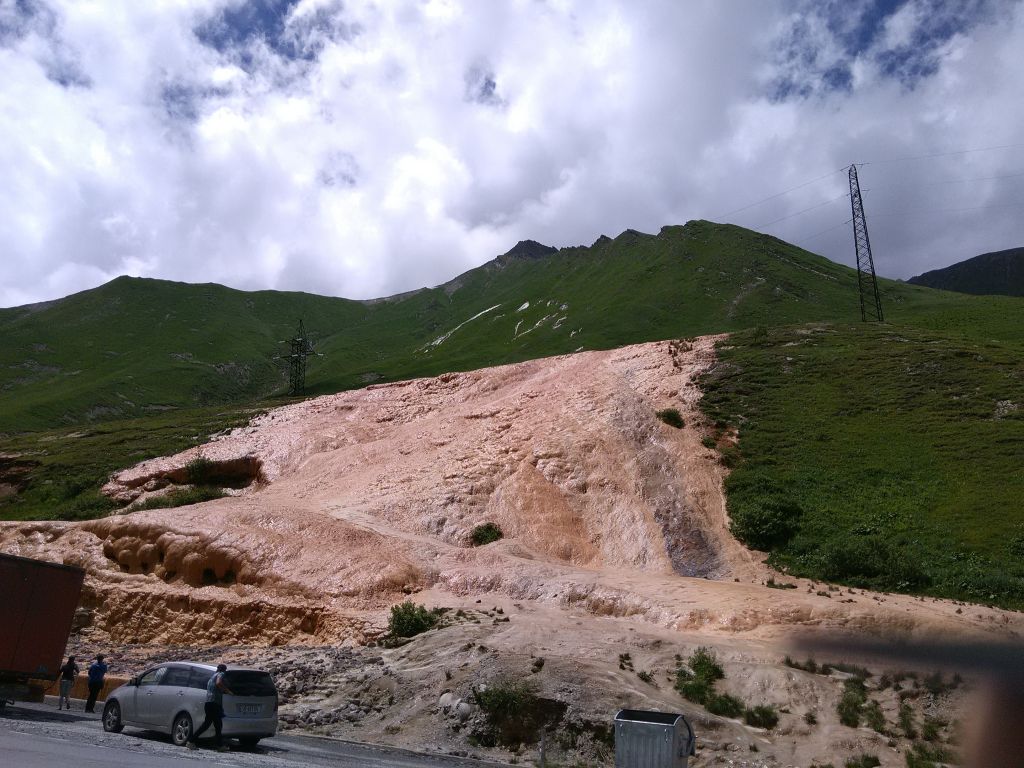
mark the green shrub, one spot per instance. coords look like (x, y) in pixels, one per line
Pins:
(928, 756)
(694, 689)
(870, 562)
(851, 703)
(697, 684)
(931, 728)
(514, 712)
(705, 664)
(765, 522)
(761, 717)
(863, 761)
(810, 718)
(199, 470)
(873, 716)
(182, 497)
(724, 705)
(485, 534)
(409, 619)
(672, 417)
(906, 718)
(708, 441)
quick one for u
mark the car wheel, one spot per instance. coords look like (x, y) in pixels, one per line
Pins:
(112, 717)
(181, 731)
(249, 741)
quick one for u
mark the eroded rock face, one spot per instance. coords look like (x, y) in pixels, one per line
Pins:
(354, 501)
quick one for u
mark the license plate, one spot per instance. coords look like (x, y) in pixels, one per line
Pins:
(249, 709)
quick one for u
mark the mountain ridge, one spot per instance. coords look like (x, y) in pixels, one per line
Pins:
(999, 273)
(138, 344)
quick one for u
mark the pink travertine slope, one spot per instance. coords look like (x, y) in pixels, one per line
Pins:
(364, 497)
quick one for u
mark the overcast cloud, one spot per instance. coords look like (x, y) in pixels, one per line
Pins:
(360, 149)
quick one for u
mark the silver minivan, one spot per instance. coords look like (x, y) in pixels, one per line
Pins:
(171, 698)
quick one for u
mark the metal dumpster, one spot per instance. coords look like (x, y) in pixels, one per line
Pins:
(652, 740)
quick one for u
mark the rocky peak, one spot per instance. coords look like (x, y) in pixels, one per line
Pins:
(529, 249)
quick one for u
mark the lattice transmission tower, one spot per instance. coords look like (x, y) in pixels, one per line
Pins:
(870, 303)
(300, 348)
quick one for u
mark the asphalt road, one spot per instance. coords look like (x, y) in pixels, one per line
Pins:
(40, 736)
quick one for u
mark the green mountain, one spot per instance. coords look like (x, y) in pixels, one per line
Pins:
(881, 455)
(997, 273)
(138, 346)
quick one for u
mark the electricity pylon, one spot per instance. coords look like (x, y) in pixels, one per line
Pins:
(300, 347)
(870, 303)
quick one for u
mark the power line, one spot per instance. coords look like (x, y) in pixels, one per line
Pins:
(942, 154)
(912, 211)
(822, 232)
(780, 194)
(805, 210)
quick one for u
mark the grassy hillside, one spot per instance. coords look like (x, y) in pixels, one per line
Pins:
(1000, 273)
(135, 346)
(879, 456)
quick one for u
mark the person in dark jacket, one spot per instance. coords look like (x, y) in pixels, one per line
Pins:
(97, 671)
(68, 673)
(215, 690)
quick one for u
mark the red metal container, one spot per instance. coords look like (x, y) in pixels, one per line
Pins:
(37, 605)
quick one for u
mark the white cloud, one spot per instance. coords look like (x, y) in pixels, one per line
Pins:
(362, 149)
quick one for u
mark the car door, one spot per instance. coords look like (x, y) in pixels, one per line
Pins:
(146, 696)
(169, 697)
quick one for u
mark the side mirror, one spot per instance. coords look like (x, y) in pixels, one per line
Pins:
(133, 681)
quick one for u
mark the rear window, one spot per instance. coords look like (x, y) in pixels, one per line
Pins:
(248, 683)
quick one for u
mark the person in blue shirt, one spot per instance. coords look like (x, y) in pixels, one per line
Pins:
(97, 671)
(214, 708)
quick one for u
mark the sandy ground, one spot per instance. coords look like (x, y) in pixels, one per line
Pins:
(616, 541)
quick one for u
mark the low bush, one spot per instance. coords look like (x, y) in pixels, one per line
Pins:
(705, 664)
(851, 703)
(869, 562)
(929, 756)
(708, 441)
(809, 666)
(697, 684)
(873, 716)
(863, 761)
(931, 728)
(906, 718)
(514, 712)
(409, 619)
(723, 705)
(485, 534)
(199, 470)
(765, 522)
(672, 417)
(761, 717)
(182, 497)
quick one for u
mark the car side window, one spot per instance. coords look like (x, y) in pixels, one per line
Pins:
(177, 676)
(152, 677)
(199, 678)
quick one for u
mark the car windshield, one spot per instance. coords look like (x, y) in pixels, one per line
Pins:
(249, 683)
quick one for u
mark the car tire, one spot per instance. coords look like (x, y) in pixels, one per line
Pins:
(112, 717)
(181, 730)
(249, 741)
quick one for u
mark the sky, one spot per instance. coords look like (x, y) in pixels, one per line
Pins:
(360, 149)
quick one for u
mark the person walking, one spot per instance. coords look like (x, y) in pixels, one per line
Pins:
(214, 708)
(68, 673)
(97, 671)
